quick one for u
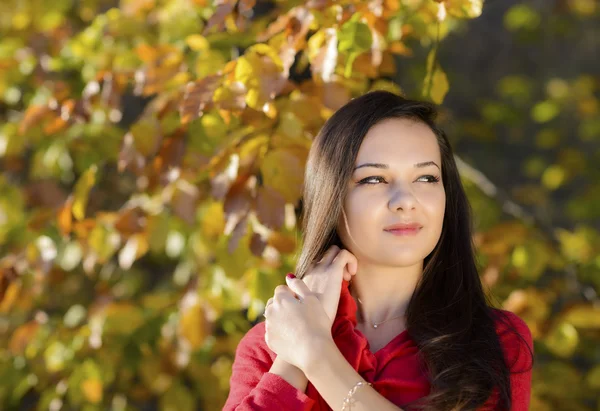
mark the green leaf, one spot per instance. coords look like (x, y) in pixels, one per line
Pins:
(354, 36)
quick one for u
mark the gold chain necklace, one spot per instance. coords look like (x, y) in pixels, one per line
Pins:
(375, 325)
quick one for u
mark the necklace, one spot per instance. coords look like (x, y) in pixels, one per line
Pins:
(375, 325)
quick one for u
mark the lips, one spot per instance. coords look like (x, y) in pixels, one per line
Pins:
(403, 226)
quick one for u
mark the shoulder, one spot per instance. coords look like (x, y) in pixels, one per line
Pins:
(515, 338)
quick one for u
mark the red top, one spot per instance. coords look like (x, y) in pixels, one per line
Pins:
(394, 370)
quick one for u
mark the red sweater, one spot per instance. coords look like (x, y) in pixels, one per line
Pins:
(394, 370)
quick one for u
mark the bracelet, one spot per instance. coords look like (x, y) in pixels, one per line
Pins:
(351, 393)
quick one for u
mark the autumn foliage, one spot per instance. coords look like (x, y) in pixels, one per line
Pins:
(152, 158)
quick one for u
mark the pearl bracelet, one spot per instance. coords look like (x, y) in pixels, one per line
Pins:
(351, 393)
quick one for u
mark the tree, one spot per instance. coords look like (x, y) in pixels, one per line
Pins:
(153, 155)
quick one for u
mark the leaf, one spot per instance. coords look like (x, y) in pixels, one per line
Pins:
(562, 340)
(193, 325)
(464, 8)
(578, 245)
(197, 42)
(324, 60)
(136, 246)
(270, 207)
(22, 336)
(82, 191)
(177, 398)
(10, 289)
(544, 111)
(104, 241)
(185, 201)
(122, 318)
(197, 97)
(354, 36)
(55, 356)
(92, 390)
(74, 316)
(435, 85)
(222, 11)
(284, 244)
(237, 202)
(584, 316)
(146, 136)
(440, 86)
(130, 221)
(240, 230)
(283, 171)
(212, 220)
(33, 116)
(257, 244)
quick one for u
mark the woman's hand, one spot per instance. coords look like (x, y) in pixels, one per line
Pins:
(324, 278)
(296, 324)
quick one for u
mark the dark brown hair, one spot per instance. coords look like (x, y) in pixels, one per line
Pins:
(449, 316)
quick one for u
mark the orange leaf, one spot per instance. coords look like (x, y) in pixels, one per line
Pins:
(92, 390)
(65, 218)
(22, 336)
(33, 116)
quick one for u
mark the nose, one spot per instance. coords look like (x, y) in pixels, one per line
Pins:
(402, 198)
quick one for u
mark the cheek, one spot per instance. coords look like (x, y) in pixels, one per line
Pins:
(360, 213)
(436, 209)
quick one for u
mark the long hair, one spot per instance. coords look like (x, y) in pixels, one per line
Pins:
(449, 316)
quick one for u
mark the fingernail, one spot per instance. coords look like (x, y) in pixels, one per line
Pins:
(290, 276)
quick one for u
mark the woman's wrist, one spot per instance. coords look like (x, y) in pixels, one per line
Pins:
(292, 374)
(322, 349)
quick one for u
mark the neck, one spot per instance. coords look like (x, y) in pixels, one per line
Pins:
(384, 291)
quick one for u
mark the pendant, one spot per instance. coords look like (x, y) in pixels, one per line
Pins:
(375, 325)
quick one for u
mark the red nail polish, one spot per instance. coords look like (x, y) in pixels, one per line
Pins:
(290, 276)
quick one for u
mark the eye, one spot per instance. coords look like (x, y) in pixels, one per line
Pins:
(364, 180)
(432, 179)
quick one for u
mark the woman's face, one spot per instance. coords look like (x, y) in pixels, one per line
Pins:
(406, 187)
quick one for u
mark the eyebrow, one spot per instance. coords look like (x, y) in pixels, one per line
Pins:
(385, 166)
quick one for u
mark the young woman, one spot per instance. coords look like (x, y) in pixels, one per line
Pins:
(387, 310)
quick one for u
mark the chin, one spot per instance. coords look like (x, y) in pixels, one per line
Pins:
(404, 258)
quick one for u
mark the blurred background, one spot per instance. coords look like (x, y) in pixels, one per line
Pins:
(152, 156)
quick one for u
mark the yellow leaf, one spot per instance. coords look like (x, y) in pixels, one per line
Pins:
(212, 220)
(267, 51)
(439, 86)
(82, 191)
(247, 70)
(464, 8)
(55, 356)
(103, 242)
(283, 171)
(436, 83)
(10, 296)
(197, 42)
(563, 340)
(122, 318)
(593, 378)
(583, 316)
(577, 246)
(544, 111)
(92, 390)
(192, 325)
(553, 177)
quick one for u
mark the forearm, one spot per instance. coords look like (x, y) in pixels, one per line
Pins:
(334, 377)
(290, 373)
